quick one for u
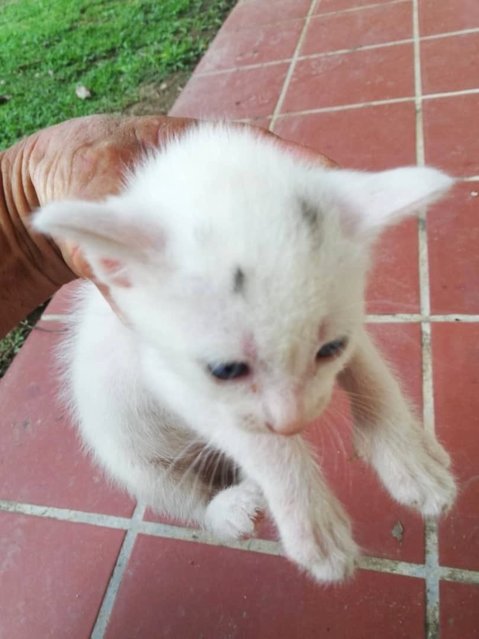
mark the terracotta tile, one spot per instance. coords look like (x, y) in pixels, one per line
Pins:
(401, 344)
(353, 29)
(259, 12)
(238, 94)
(179, 587)
(451, 132)
(372, 138)
(329, 6)
(447, 15)
(349, 78)
(41, 460)
(450, 64)
(240, 47)
(394, 280)
(54, 576)
(459, 610)
(453, 235)
(456, 396)
(62, 302)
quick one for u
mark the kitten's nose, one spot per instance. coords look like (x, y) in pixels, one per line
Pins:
(284, 412)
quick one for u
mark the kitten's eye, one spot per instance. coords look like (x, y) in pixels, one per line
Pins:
(332, 349)
(229, 370)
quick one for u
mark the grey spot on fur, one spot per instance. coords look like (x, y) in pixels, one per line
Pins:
(238, 281)
(213, 468)
(310, 213)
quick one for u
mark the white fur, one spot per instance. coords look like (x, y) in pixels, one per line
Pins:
(191, 214)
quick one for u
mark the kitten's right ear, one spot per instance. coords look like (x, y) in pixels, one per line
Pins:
(110, 239)
(368, 202)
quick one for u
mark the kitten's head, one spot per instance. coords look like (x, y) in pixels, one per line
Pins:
(241, 270)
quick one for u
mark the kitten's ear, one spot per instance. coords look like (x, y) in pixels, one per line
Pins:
(371, 201)
(111, 240)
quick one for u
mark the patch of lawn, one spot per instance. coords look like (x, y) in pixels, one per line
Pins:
(112, 47)
(13, 341)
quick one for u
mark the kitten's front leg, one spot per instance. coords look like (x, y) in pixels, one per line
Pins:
(410, 461)
(314, 529)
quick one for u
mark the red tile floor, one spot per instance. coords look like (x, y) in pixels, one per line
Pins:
(373, 85)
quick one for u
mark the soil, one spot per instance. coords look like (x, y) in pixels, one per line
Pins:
(158, 98)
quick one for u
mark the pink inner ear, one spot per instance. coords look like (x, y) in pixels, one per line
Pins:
(145, 239)
(113, 269)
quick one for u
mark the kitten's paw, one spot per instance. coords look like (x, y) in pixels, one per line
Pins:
(336, 566)
(419, 477)
(323, 546)
(232, 512)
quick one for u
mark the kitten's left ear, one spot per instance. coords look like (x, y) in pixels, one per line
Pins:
(113, 241)
(369, 202)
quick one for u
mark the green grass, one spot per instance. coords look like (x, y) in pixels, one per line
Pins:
(48, 47)
(13, 341)
(11, 344)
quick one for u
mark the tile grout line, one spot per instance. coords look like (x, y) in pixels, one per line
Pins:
(263, 546)
(373, 5)
(116, 578)
(449, 94)
(66, 514)
(268, 547)
(55, 317)
(433, 573)
(292, 66)
(430, 527)
(375, 318)
(245, 67)
(349, 10)
(449, 34)
(461, 575)
(322, 54)
(376, 4)
(252, 26)
(309, 56)
(412, 318)
(370, 103)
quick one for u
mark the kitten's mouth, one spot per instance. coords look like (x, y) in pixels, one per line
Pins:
(281, 430)
(269, 427)
(288, 430)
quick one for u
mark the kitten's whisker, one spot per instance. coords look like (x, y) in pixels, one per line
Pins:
(182, 456)
(202, 471)
(219, 459)
(375, 412)
(191, 466)
(337, 438)
(172, 462)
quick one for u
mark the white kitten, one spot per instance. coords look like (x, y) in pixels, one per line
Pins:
(238, 271)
